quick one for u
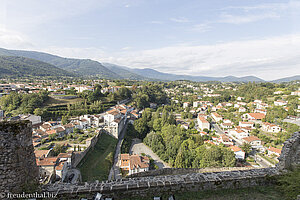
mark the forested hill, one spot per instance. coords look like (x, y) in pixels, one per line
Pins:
(79, 66)
(14, 66)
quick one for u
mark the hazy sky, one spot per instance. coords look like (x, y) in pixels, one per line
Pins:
(195, 37)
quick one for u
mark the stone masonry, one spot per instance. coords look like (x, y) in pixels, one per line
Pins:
(18, 167)
(290, 154)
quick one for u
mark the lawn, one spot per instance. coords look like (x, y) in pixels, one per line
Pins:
(54, 102)
(98, 161)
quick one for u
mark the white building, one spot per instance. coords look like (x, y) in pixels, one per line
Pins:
(280, 103)
(238, 152)
(239, 133)
(246, 124)
(186, 104)
(203, 123)
(216, 117)
(271, 128)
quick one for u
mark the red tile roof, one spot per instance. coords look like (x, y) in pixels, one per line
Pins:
(257, 115)
(273, 149)
(251, 138)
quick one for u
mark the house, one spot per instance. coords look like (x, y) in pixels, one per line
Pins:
(203, 123)
(274, 151)
(238, 152)
(216, 117)
(246, 124)
(196, 104)
(278, 92)
(42, 153)
(46, 166)
(35, 120)
(257, 110)
(186, 104)
(239, 98)
(134, 163)
(271, 128)
(254, 141)
(224, 139)
(257, 101)
(254, 116)
(227, 125)
(239, 133)
(242, 109)
(296, 93)
(60, 131)
(280, 103)
(61, 170)
(262, 105)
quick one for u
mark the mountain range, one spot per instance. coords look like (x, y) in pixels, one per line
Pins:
(91, 68)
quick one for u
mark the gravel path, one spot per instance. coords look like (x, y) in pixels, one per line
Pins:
(137, 147)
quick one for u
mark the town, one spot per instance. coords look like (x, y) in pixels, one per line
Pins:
(106, 129)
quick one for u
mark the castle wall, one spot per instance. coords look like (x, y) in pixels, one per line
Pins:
(18, 167)
(192, 180)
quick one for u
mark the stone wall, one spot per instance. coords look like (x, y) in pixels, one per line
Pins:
(150, 186)
(290, 153)
(177, 171)
(78, 156)
(18, 167)
(193, 180)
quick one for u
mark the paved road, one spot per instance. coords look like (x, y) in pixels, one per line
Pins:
(138, 147)
(215, 126)
(293, 121)
(115, 170)
(263, 162)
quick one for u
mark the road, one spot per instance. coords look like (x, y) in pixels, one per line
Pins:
(115, 170)
(138, 147)
(215, 126)
(263, 162)
(293, 121)
(220, 131)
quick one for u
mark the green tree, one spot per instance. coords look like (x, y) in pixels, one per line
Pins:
(246, 148)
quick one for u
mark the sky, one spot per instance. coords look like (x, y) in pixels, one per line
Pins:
(194, 37)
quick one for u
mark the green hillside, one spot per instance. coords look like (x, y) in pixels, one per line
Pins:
(13, 66)
(79, 66)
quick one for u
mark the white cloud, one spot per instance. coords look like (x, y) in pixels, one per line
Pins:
(35, 12)
(126, 48)
(156, 22)
(201, 28)
(180, 19)
(267, 58)
(258, 12)
(13, 39)
(241, 19)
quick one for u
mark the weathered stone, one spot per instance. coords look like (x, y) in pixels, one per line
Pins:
(17, 161)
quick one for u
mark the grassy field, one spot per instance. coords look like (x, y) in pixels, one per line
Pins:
(54, 102)
(257, 193)
(97, 163)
